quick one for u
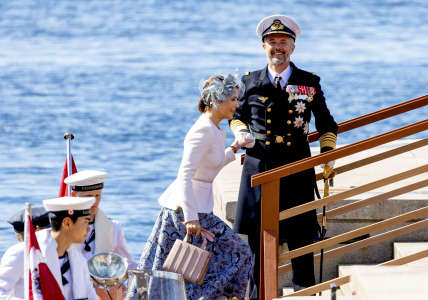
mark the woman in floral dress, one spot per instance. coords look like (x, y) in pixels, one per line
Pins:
(188, 202)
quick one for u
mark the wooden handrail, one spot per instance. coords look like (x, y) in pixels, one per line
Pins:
(316, 160)
(377, 157)
(321, 286)
(354, 233)
(297, 210)
(376, 116)
(405, 260)
(372, 200)
(363, 243)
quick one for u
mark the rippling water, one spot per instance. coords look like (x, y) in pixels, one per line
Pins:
(123, 77)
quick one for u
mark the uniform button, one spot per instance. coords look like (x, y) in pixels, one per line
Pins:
(269, 109)
(268, 132)
(290, 111)
(288, 122)
(267, 143)
(268, 120)
(288, 134)
(288, 144)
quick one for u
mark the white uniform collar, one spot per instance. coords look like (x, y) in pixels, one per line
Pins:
(103, 234)
(285, 75)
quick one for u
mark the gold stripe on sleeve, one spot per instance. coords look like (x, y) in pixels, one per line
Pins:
(328, 139)
(237, 125)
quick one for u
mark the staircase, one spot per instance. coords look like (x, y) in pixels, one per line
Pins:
(226, 187)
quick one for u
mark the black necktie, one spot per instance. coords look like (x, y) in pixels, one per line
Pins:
(277, 80)
(64, 268)
(87, 247)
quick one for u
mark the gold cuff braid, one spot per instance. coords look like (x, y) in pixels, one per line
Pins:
(328, 140)
(237, 125)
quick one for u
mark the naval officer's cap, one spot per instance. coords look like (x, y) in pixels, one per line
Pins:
(69, 206)
(86, 180)
(39, 217)
(279, 24)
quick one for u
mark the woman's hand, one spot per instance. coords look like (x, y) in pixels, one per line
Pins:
(243, 139)
(193, 227)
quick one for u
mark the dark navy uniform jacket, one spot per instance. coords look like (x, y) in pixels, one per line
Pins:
(283, 124)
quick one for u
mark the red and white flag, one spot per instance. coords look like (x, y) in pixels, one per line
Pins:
(63, 189)
(39, 282)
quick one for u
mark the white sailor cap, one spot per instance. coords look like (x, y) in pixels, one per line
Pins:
(69, 206)
(86, 180)
(278, 24)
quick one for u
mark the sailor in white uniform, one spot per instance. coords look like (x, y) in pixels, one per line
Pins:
(40, 221)
(106, 235)
(69, 220)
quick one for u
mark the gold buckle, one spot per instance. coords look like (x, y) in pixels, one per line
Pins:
(279, 139)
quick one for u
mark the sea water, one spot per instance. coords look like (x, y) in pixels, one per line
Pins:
(123, 77)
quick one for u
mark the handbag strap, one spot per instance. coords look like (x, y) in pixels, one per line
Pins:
(204, 243)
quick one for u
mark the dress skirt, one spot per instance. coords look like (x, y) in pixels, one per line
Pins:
(230, 263)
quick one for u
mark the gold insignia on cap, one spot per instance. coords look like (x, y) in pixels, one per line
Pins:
(276, 25)
(248, 73)
(263, 99)
(313, 73)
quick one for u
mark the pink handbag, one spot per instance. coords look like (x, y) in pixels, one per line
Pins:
(188, 260)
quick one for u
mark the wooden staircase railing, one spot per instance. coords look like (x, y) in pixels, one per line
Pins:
(270, 196)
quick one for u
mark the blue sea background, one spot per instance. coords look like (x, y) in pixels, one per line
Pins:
(123, 77)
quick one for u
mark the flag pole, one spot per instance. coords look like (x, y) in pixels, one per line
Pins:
(28, 213)
(68, 137)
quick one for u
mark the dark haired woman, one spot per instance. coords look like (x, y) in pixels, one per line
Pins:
(188, 203)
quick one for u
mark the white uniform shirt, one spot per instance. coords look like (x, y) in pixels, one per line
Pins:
(285, 75)
(12, 287)
(12, 270)
(119, 244)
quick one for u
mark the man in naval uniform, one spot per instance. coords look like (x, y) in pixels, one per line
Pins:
(276, 106)
(69, 220)
(106, 235)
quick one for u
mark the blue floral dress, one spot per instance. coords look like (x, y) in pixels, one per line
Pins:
(230, 264)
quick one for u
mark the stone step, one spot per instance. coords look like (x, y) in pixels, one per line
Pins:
(390, 282)
(405, 249)
(289, 290)
(349, 288)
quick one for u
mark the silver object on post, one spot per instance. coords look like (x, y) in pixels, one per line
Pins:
(108, 269)
(68, 137)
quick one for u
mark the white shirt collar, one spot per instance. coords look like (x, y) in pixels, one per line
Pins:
(285, 75)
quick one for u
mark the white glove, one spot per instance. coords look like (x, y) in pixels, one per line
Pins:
(331, 164)
(244, 139)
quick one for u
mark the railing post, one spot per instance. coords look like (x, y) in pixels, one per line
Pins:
(270, 225)
(271, 264)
